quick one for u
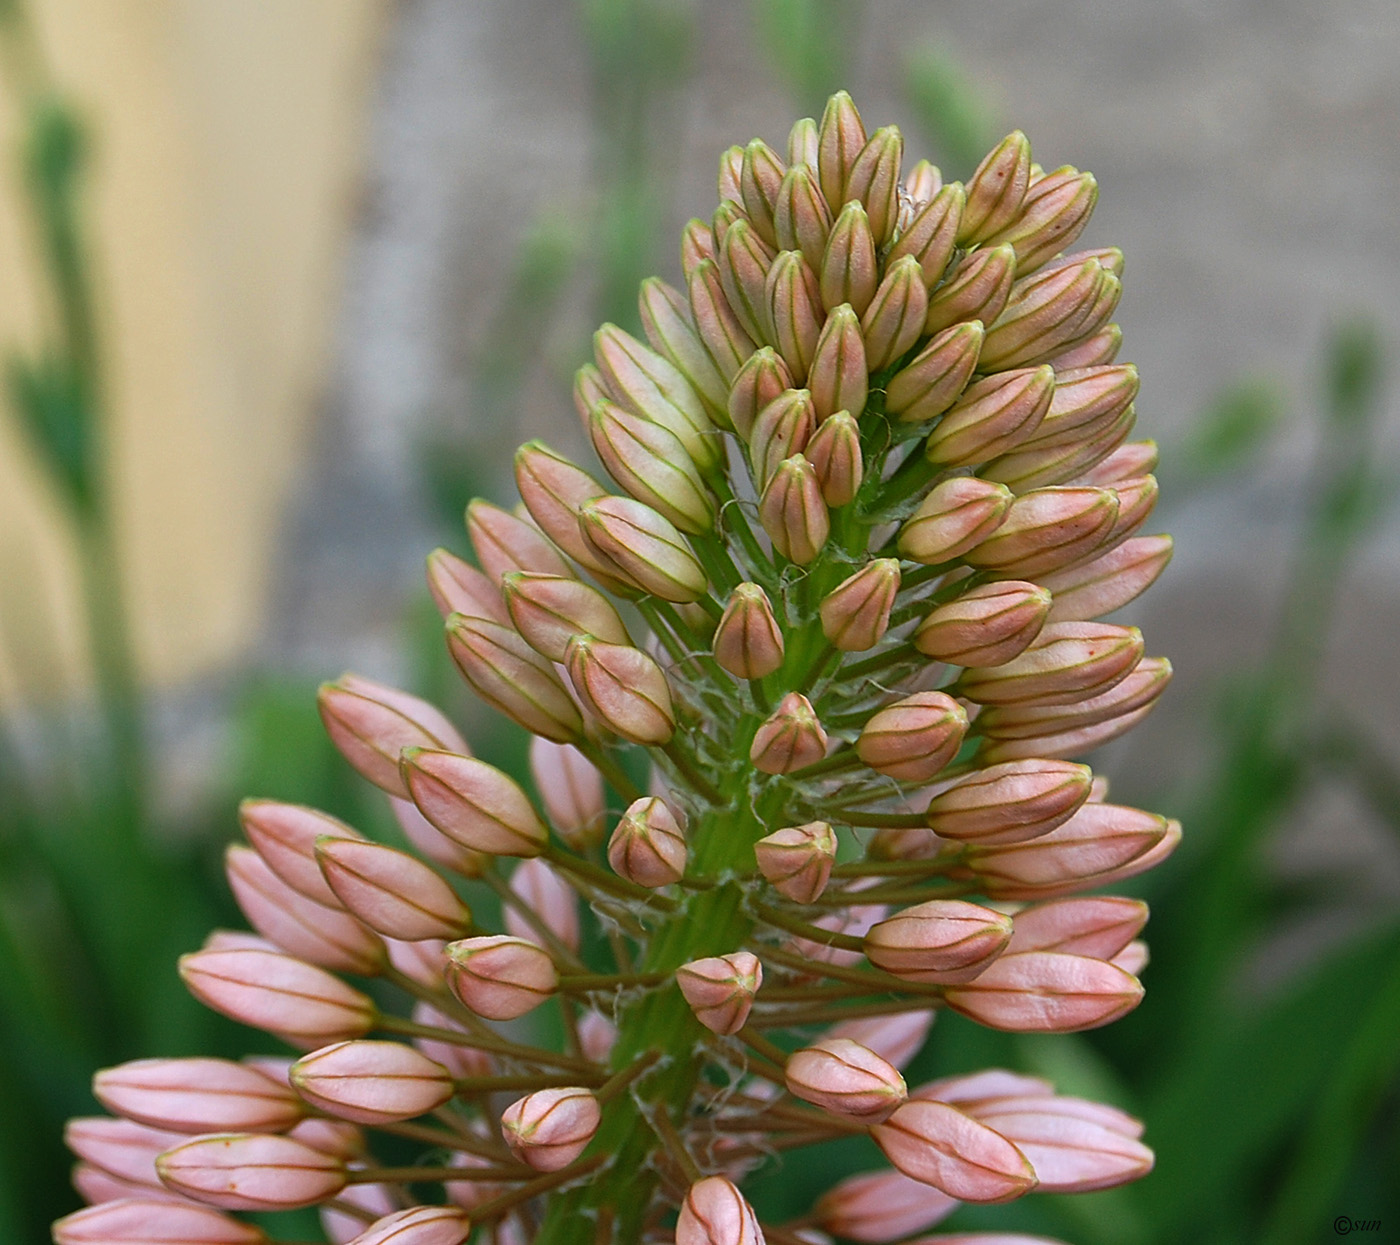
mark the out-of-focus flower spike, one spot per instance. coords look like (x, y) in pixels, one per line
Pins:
(881, 1206)
(623, 688)
(845, 1078)
(197, 1096)
(644, 546)
(794, 310)
(153, 1221)
(549, 611)
(1048, 529)
(1086, 400)
(993, 415)
(1011, 802)
(934, 378)
(503, 542)
(390, 891)
(1099, 926)
(801, 218)
(763, 377)
(790, 738)
(803, 143)
(252, 1171)
(648, 845)
(834, 452)
(418, 1225)
(731, 168)
(797, 860)
(856, 613)
(1047, 313)
(931, 235)
(571, 790)
(997, 190)
(720, 989)
(1139, 690)
(510, 676)
(748, 641)
(923, 181)
(914, 738)
(285, 837)
(1092, 589)
(500, 977)
(943, 940)
(474, 804)
(849, 272)
(371, 723)
(1068, 662)
(793, 512)
(743, 260)
(548, 894)
(839, 375)
(898, 1037)
(550, 1128)
(987, 626)
(874, 180)
(1053, 214)
(957, 515)
(1046, 992)
(729, 343)
(782, 429)
(894, 321)
(1095, 350)
(652, 464)
(459, 588)
(977, 289)
(697, 243)
(665, 314)
(840, 138)
(760, 176)
(371, 1082)
(1069, 1154)
(936, 1143)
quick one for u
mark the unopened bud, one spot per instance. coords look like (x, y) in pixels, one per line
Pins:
(474, 804)
(285, 837)
(957, 515)
(1140, 689)
(249, 1171)
(597, 1035)
(992, 416)
(939, 1145)
(793, 512)
(371, 723)
(418, 1225)
(723, 334)
(760, 176)
(801, 217)
(390, 891)
(936, 375)
(944, 940)
(923, 181)
(645, 547)
(372, 1082)
(504, 542)
(845, 1078)
(790, 739)
(721, 989)
(1011, 802)
(882, 1206)
(549, 611)
(782, 429)
(762, 378)
(1074, 1146)
(500, 977)
(1046, 992)
(839, 375)
(665, 315)
(803, 143)
(1092, 589)
(129, 1220)
(894, 321)
(648, 845)
(834, 452)
(1068, 662)
(1136, 500)
(731, 166)
(840, 138)
(1053, 214)
(849, 272)
(794, 309)
(122, 1149)
(623, 688)
(743, 260)
(1099, 926)
(797, 860)
(197, 1096)
(1036, 466)
(1127, 462)
(856, 613)
(748, 641)
(547, 895)
(897, 1037)
(571, 790)
(1133, 958)
(932, 233)
(874, 180)
(986, 626)
(697, 243)
(459, 588)
(1047, 529)
(1048, 312)
(996, 191)
(550, 1128)
(553, 489)
(510, 676)
(977, 289)
(914, 738)
(652, 464)
(590, 388)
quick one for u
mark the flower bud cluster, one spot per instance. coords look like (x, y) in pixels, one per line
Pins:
(809, 659)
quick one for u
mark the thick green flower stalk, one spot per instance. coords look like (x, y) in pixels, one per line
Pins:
(825, 626)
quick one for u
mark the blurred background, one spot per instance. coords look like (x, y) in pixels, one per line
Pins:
(283, 283)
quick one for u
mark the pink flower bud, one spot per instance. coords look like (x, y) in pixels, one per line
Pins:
(993, 415)
(340, 1226)
(1046, 530)
(418, 1225)
(1094, 350)
(997, 189)
(715, 1213)
(338, 1138)
(956, 516)
(1132, 959)
(121, 1148)
(330, 937)
(372, 1082)
(840, 139)
(1136, 458)
(760, 175)
(420, 959)
(748, 641)
(285, 837)
(743, 259)
(801, 217)
(474, 804)
(894, 321)
(94, 1185)
(845, 1078)
(898, 1037)
(849, 271)
(726, 339)
(250, 1171)
(504, 542)
(977, 289)
(665, 315)
(934, 378)
(371, 724)
(648, 845)
(436, 846)
(839, 376)
(623, 688)
(882, 1206)
(1068, 662)
(303, 1004)
(856, 613)
(459, 588)
(1046, 992)
(1053, 214)
(549, 610)
(391, 891)
(1036, 465)
(550, 1128)
(1011, 802)
(986, 626)
(152, 1221)
(794, 309)
(731, 165)
(931, 234)
(643, 546)
(941, 1146)
(1086, 400)
(782, 429)
(652, 464)
(197, 1096)
(512, 678)
(1092, 589)
(973, 1089)
(944, 940)
(1049, 311)
(597, 1035)
(1099, 927)
(571, 790)
(500, 977)
(550, 897)
(553, 489)
(835, 455)
(914, 738)
(460, 1060)
(874, 180)
(797, 860)
(720, 989)
(793, 513)
(790, 739)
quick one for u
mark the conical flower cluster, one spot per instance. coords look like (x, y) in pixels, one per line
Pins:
(807, 664)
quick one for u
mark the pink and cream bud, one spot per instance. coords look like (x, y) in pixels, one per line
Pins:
(547, 894)
(992, 416)
(252, 1171)
(931, 235)
(835, 454)
(418, 1225)
(763, 377)
(500, 977)
(748, 641)
(944, 940)
(648, 846)
(856, 613)
(1046, 992)
(957, 515)
(510, 676)
(1046, 530)
(849, 271)
(793, 512)
(549, 610)
(977, 289)
(794, 309)
(550, 1128)
(141, 1221)
(790, 739)
(459, 588)
(996, 190)
(474, 804)
(894, 321)
(939, 1145)
(914, 738)
(623, 688)
(1099, 926)
(897, 1037)
(720, 989)
(782, 429)
(1068, 662)
(881, 1206)
(285, 835)
(934, 378)
(504, 542)
(845, 1078)
(874, 180)
(643, 546)
(987, 626)
(372, 1082)
(801, 217)
(390, 891)
(1092, 589)
(797, 860)
(715, 1213)
(1010, 802)
(839, 376)
(197, 1096)
(123, 1149)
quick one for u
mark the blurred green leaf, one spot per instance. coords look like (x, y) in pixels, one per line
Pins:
(1235, 428)
(951, 109)
(809, 43)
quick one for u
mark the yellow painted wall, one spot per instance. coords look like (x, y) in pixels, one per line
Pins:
(228, 140)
